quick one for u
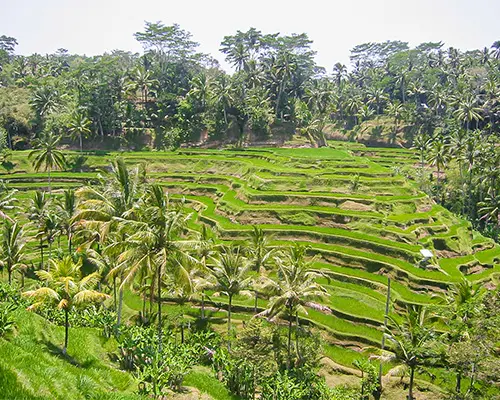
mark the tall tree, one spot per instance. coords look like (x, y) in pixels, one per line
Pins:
(12, 248)
(47, 155)
(67, 287)
(411, 341)
(79, 126)
(294, 289)
(231, 277)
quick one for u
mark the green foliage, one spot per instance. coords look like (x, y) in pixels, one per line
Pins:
(7, 322)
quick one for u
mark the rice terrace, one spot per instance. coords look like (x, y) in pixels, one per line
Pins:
(174, 227)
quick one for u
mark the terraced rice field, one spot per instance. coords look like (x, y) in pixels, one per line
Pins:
(362, 220)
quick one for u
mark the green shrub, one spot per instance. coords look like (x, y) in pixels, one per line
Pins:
(7, 323)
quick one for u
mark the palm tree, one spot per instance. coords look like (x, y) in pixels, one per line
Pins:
(142, 82)
(67, 287)
(114, 201)
(438, 156)
(259, 249)
(79, 126)
(185, 281)
(395, 110)
(468, 111)
(376, 97)
(285, 66)
(230, 275)
(7, 201)
(222, 94)
(156, 238)
(46, 100)
(200, 89)
(12, 248)
(50, 229)
(67, 210)
(490, 210)
(422, 144)
(461, 305)
(438, 98)
(106, 260)
(495, 50)
(294, 289)
(37, 213)
(47, 155)
(410, 341)
(339, 71)
(204, 250)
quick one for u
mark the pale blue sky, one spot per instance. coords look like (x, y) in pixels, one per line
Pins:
(95, 26)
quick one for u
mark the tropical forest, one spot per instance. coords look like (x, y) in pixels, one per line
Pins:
(275, 230)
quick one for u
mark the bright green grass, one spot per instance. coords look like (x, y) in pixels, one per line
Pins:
(34, 367)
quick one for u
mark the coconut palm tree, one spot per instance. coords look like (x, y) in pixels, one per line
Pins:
(259, 249)
(37, 212)
(67, 209)
(204, 249)
(395, 110)
(377, 97)
(438, 156)
(142, 82)
(47, 155)
(422, 144)
(51, 228)
(114, 201)
(79, 126)
(489, 210)
(293, 289)
(185, 281)
(468, 111)
(495, 50)
(154, 238)
(67, 287)
(230, 275)
(411, 342)
(106, 260)
(460, 306)
(222, 95)
(12, 244)
(339, 72)
(7, 201)
(46, 100)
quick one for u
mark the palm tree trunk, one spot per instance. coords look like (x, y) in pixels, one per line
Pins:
(202, 305)
(66, 331)
(410, 388)
(41, 251)
(50, 252)
(114, 292)
(438, 174)
(182, 329)
(9, 271)
(81, 144)
(297, 335)
(256, 302)
(229, 322)
(69, 241)
(50, 188)
(289, 347)
(458, 386)
(120, 306)
(159, 311)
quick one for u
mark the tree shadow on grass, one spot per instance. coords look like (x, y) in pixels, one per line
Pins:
(57, 351)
